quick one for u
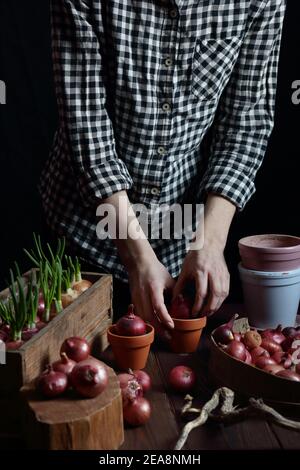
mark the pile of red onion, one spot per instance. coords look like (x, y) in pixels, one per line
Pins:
(276, 351)
(77, 369)
(136, 408)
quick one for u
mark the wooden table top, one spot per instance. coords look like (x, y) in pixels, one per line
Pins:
(163, 429)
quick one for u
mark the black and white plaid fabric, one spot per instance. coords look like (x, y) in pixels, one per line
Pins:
(139, 83)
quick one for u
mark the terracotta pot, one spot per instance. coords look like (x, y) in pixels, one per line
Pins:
(130, 352)
(186, 334)
(270, 252)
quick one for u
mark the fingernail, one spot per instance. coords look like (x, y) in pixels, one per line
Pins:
(171, 324)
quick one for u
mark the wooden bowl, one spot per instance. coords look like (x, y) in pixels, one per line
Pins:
(249, 380)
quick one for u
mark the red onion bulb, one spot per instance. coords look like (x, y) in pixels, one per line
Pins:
(138, 412)
(76, 348)
(52, 383)
(130, 324)
(182, 378)
(89, 378)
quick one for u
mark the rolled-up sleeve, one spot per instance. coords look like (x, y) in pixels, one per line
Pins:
(245, 116)
(81, 98)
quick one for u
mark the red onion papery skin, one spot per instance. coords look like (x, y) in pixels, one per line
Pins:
(13, 345)
(288, 374)
(263, 361)
(130, 324)
(89, 378)
(258, 352)
(248, 359)
(28, 333)
(252, 339)
(237, 350)
(273, 368)
(143, 379)
(138, 412)
(287, 343)
(41, 305)
(64, 364)
(51, 383)
(224, 334)
(182, 379)
(275, 335)
(6, 329)
(181, 308)
(284, 359)
(270, 346)
(40, 325)
(76, 348)
(237, 336)
(130, 388)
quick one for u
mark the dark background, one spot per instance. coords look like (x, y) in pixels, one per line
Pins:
(29, 119)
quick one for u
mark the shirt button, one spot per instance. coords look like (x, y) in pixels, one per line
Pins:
(168, 62)
(166, 107)
(173, 13)
(161, 150)
(155, 191)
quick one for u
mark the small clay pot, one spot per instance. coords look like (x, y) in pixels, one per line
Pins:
(130, 352)
(270, 252)
(186, 334)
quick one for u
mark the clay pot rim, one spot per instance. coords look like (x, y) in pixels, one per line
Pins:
(134, 340)
(189, 323)
(245, 245)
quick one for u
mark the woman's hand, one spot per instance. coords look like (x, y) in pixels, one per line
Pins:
(148, 280)
(205, 264)
(207, 269)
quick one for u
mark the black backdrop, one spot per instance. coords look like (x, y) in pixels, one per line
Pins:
(28, 121)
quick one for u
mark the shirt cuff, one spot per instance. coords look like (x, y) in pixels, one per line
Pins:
(231, 181)
(104, 180)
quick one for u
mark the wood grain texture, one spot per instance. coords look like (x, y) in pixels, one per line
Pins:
(72, 423)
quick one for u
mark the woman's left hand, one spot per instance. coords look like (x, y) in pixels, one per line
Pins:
(207, 269)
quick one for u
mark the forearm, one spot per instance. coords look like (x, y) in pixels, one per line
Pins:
(130, 240)
(218, 215)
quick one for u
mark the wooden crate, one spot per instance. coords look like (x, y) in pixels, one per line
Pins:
(89, 316)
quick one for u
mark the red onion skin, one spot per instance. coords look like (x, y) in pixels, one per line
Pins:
(288, 374)
(89, 378)
(248, 358)
(223, 335)
(263, 361)
(181, 308)
(287, 343)
(270, 346)
(28, 333)
(3, 336)
(273, 368)
(76, 348)
(258, 352)
(6, 329)
(143, 379)
(51, 383)
(237, 350)
(40, 325)
(130, 324)
(138, 412)
(275, 335)
(64, 364)
(182, 379)
(130, 388)
(13, 345)
(237, 336)
(41, 305)
(252, 339)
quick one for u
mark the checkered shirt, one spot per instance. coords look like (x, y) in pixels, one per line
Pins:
(167, 99)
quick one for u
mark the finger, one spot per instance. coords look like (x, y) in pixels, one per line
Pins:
(216, 295)
(179, 286)
(158, 304)
(201, 284)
